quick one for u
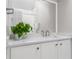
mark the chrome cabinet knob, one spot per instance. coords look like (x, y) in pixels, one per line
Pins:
(56, 44)
(37, 48)
(61, 44)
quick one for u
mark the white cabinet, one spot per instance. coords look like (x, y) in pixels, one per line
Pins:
(26, 52)
(56, 50)
(50, 50)
(64, 49)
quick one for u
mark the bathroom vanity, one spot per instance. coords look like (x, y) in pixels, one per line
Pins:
(40, 48)
(45, 16)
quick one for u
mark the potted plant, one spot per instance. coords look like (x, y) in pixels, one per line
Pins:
(20, 30)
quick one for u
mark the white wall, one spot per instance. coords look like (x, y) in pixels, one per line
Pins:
(65, 16)
(52, 9)
(46, 15)
(43, 14)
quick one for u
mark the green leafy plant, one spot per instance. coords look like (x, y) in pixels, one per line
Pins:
(21, 28)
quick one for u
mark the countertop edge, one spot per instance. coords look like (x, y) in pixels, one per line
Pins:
(38, 42)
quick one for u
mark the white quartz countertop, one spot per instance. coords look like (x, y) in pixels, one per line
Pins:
(36, 39)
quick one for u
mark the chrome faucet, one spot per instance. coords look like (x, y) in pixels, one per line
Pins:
(45, 33)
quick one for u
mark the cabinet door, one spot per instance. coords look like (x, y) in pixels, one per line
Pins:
(49, 50)
(26, 52)
(64, 50)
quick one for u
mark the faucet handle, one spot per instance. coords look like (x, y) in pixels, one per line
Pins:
(42, 32)
(47, 33)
